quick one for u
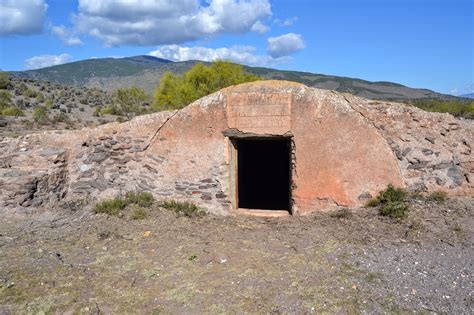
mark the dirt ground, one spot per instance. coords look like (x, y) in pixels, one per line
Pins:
(76, 262)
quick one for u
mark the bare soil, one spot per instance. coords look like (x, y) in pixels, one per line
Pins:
(76, 262)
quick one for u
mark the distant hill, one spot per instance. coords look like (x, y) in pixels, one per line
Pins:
(145, 72)
(469, 95)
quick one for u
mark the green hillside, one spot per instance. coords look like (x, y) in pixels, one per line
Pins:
(145, 72)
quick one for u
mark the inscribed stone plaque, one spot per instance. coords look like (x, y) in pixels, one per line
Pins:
(259, 113)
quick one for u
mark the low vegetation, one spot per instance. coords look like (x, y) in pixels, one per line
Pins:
(142, 199)
(110, 206)
(40, 115)
(437, 196)
(4, 80)
(456, 108)
(186, 209)
(131, 102)
(12, 111)
(392, 202)
(344, 213)
(135, 201)
(177, 91)
(138, 212)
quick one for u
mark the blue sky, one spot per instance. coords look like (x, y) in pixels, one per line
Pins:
(418, 43)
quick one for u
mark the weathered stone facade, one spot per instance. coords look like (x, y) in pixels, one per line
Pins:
(345, 150)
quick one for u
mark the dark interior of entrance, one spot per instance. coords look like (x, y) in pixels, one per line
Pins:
(264, 173)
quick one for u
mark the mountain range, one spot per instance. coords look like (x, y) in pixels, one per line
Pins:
(469, 95)
(145, 72)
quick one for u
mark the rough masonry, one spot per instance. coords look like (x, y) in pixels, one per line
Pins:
(345, 150)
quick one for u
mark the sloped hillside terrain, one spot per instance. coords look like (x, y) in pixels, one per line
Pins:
(145, 72)
(65, 107)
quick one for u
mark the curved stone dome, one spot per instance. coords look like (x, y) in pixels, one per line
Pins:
(235, 144)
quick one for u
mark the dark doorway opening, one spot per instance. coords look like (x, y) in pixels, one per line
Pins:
(264, 173)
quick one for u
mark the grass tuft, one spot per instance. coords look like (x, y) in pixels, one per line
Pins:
(143, 199)
(343, 213)
(136, 200)
(110, 207)
(138, 212)
(437, 196)
(187, 209)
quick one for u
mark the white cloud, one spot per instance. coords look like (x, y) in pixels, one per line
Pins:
(239, 54)
(259, 27)
(158, 22)
(286, 22)
(285, 45)
(66, 36)
(22, 17)
(43, 61)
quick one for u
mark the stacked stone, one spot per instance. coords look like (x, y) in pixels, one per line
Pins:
(29, 177)
(104, 163)
(434, 150)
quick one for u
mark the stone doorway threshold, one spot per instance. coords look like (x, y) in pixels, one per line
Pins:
(262, 213)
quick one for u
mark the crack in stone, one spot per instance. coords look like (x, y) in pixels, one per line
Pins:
(158, 130)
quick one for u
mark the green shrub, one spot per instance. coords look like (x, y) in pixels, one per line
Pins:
(61, 117)
(5, 99)
(177, 91)
(22, 86)
(48, 103)
(391, 202)
(109, 110)
(437, 196)
(131, 101)
(110, 207)
(97, 112)
(4, 80)
(138, 213)
(30, 93)
(40, 97)
(394, 209)
(391, 193)
(136, 201)
(143, 199)
(40, 115)
(12, 111)
(456, 108)
(186, 209)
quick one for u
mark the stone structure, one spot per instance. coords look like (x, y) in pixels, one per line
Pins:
(344, 150)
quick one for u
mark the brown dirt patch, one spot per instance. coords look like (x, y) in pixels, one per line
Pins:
(77, 262)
